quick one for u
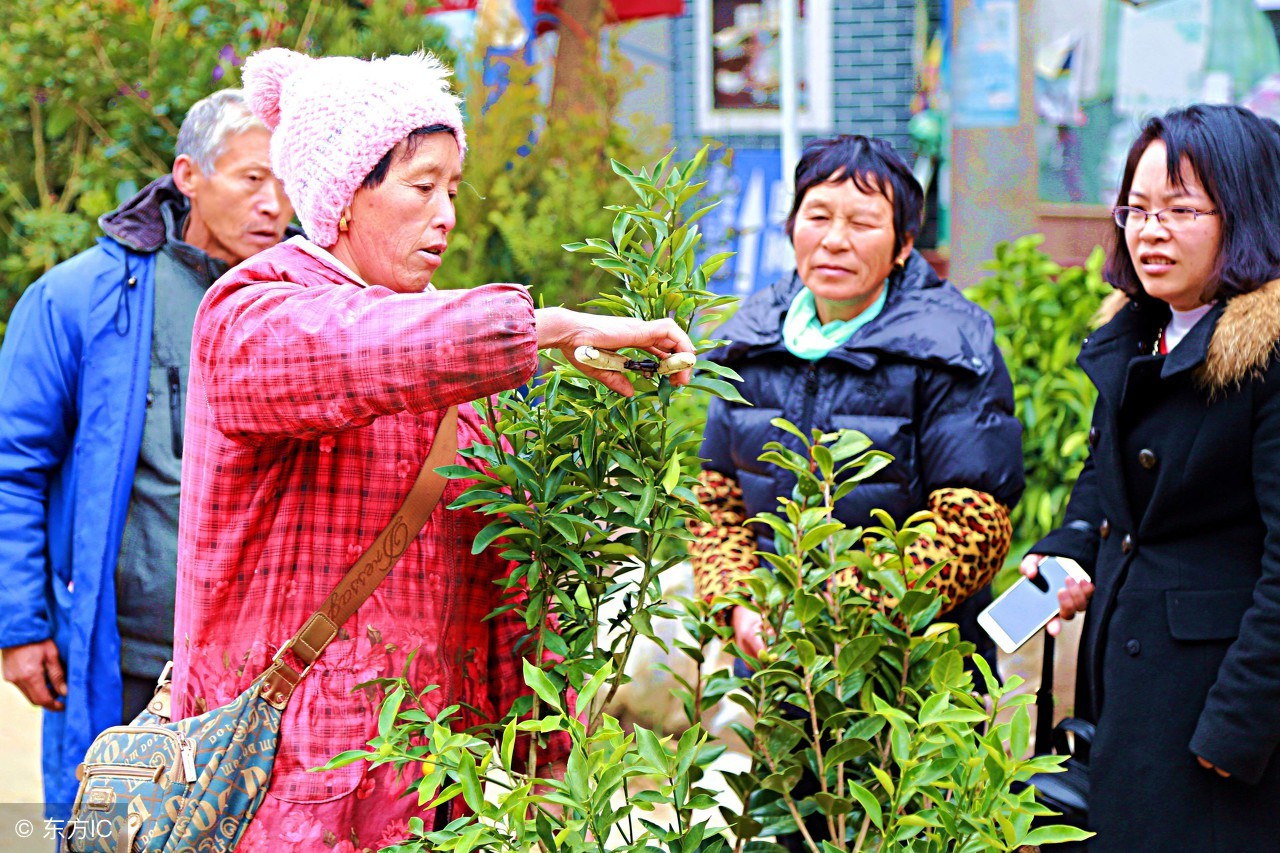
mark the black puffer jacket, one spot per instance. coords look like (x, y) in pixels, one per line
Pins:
(924, 381)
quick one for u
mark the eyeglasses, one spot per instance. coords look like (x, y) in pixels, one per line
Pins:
(1170, 217)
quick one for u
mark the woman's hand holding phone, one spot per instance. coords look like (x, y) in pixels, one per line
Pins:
(1073, 598)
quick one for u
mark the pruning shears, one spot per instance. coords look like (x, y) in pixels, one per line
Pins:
(604, 359)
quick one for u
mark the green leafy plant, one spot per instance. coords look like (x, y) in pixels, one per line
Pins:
(861, 691)
(1042, 312)
(585, 488)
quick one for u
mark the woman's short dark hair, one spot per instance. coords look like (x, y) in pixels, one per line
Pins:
(1236, 157)
(410, 144)
(873, 166)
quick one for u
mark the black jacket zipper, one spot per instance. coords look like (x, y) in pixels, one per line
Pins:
(175, 410)
(810, 397)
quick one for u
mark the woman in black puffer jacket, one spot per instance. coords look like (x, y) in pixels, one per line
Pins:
(864, 336)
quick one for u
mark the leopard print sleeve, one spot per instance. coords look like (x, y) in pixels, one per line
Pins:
(722, 552)
(973, 529)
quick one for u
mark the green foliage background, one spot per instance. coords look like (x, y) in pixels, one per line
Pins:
(1042, 312)
(536, 179)
(93, 92)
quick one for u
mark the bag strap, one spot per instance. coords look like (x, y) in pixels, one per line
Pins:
(280, 679)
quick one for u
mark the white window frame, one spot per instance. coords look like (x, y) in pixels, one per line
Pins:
(815, 116)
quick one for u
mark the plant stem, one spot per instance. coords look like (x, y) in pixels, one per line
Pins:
(862, 833)
(791, 804)
(77, 161)
(150, 161)
(307, 23)
(37, 142)
(842, 818)
(159, 12)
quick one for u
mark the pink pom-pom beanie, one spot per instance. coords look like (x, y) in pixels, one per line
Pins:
(334, 118)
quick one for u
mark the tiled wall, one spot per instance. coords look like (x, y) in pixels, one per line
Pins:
(872, 76)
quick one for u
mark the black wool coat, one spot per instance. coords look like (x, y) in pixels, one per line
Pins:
(924, 381)
(1176, 516)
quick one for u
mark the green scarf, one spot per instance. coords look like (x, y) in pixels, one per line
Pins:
(808, 338)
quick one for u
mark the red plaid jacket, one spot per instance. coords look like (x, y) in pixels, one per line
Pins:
(313, 403)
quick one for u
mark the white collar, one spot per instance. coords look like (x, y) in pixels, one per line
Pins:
(1181, 322)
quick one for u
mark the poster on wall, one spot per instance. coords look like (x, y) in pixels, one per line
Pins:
(1161, 58)
(986, 80)
(750, 221)
(738, 57)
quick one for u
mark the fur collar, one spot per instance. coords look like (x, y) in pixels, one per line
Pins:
(1244, 341)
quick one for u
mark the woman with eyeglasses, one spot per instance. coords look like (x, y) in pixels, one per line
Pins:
(1176, 515)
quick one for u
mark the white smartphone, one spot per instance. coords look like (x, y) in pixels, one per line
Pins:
(1029, 604)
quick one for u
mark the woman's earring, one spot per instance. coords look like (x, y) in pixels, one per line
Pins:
(342, 223)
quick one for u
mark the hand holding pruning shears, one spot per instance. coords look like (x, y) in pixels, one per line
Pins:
(572, 332)
(604, 359)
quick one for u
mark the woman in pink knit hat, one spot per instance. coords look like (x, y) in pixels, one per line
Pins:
(321, 371)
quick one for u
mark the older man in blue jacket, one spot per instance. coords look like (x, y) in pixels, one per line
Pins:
(92, 377)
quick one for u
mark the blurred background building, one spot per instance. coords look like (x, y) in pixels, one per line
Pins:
(1017, 113)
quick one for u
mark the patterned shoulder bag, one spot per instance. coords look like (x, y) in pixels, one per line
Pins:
(194, 784)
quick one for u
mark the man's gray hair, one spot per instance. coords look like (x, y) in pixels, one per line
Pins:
(209, 123)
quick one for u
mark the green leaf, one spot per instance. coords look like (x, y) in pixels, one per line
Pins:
(832, 805)
(947, 671)
(508, 746)
(847, 750)
(805, 653)
(687, 748)
(644, 506)
(486, 536)
(577, 776)
(857, 652)
(818, 534)
(541, 685)
(870, 805)
(390, 707)
(342, 759)
(588, 691)
(1019, 733)
(1054, 834)
(672, 476)
(883, 778)
(472, 790)
(786, 426)
(934, 706)
(543, 827)
(651, 749)
(562, 525)
(719, 388)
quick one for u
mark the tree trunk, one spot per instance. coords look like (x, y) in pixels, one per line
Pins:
(578, 58)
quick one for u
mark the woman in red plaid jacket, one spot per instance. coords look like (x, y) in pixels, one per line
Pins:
(321, 371)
